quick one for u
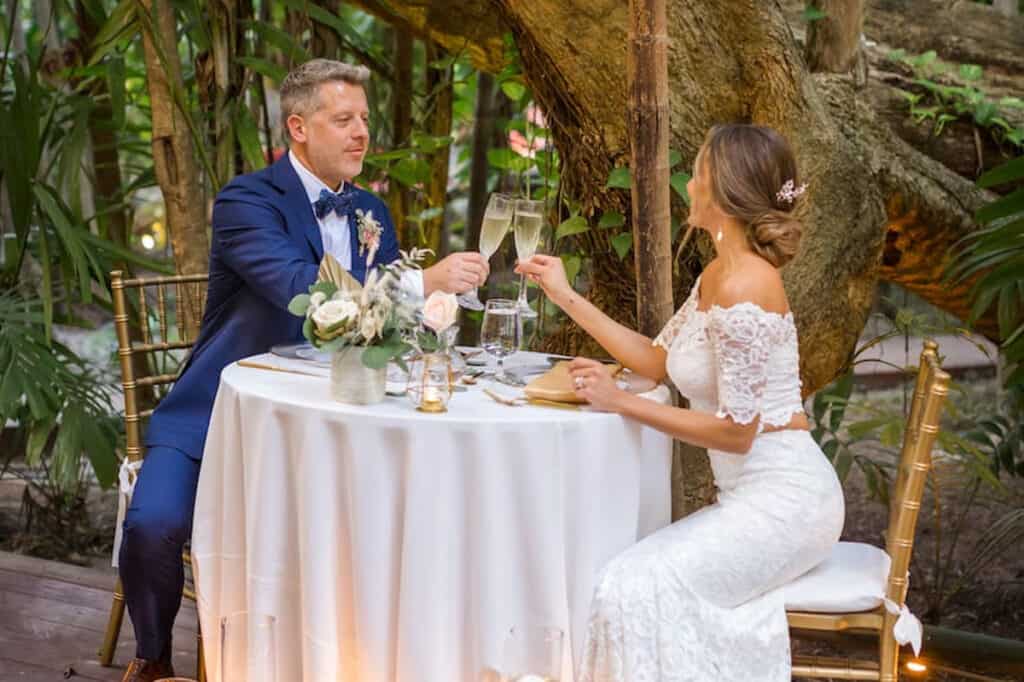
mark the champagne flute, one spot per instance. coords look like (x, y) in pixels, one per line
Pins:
(532, 654)
(529, 219)
(500, 333)
(497, 219)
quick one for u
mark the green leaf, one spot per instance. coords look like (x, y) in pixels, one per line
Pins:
(264, 68)
(674, 158)
(576, 224)
(970, 72)
(1007, 172)
(282, 40)
(891, 434)
(678, 182)
(842, 462)
(514, 90)
(622, 243)
(377, 357)
(611, 219)
(410, 172)
(619, 178)
(812, 13)
(1002, 207)
(572, 263)
(299, 305)
(248, 136)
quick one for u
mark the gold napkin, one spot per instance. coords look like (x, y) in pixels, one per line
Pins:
(331, 271)
(556, 385)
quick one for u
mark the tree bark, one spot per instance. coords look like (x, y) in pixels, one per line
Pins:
(174, 157)
(439, 86)
(401, 130)
(833, 43)
(647, 73)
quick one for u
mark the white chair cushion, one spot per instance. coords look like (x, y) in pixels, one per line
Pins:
(851, 579)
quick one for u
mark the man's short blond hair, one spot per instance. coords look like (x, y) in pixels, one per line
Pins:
(301, 87)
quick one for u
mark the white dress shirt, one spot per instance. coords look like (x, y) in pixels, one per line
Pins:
(334, 229)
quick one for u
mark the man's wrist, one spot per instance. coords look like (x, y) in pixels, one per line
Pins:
(429, 283)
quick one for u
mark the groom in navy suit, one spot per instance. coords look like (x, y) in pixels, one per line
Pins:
(270, 231)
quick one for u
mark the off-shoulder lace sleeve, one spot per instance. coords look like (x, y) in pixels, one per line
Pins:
(743, 337)
(668, 333)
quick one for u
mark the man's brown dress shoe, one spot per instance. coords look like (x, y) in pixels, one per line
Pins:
(141, 670)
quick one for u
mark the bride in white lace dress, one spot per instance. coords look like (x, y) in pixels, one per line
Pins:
(697, 600)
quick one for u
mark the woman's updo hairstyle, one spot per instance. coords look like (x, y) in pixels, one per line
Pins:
(754, 179)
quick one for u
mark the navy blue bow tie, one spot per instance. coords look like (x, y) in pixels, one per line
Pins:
(329, 201)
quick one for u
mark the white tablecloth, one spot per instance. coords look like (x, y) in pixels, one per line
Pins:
(396, 545)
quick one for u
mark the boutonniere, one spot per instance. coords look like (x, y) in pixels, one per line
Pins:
(370, 230)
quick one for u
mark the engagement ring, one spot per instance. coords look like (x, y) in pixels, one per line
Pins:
(579, 382)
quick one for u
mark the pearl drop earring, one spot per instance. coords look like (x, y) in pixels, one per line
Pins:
(718, 237)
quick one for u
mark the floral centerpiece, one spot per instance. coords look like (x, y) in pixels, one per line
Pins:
(364, 327)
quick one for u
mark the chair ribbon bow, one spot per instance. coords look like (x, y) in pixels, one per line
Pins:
(907, 629)
(126, 477)
(341, 203)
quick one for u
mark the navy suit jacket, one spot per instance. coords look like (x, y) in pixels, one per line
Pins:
(265, 249)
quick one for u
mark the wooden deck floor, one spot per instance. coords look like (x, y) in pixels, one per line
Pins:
(52, 619)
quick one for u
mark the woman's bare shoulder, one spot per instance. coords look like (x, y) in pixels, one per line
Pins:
(754, 281)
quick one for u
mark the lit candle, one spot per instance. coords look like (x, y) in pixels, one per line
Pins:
(431, 401)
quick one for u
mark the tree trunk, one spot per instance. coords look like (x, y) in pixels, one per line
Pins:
(735, 61)
(647, 73)
(226, 42)
(833, 42)
(439, 87)
(174, 157)
(401, 130)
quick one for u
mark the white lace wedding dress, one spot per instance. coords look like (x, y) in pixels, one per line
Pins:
(697, 599)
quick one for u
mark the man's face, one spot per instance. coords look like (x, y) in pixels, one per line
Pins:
(335, 137)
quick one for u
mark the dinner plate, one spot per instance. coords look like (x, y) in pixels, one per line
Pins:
(301, 351)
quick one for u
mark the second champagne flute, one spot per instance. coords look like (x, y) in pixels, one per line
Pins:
(529, 219)
(497, 219)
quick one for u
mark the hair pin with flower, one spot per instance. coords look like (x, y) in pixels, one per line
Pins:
(790, 192)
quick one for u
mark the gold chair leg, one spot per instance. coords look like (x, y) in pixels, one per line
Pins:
(200, 658)
(106, 652)
(888, 655)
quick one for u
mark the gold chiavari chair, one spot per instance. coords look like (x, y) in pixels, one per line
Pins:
(915, 460)
(164, 331)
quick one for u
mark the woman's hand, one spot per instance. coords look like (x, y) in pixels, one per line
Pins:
(549, 273)
(594, 383)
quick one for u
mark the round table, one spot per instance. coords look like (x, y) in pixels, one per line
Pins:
(391, 544)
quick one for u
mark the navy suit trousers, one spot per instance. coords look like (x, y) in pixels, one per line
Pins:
(156, 526)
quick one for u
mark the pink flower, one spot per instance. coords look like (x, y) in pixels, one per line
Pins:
(518, 143)
(440, 311)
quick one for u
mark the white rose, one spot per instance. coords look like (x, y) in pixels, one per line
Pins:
(316, 299)
(332, 312)
(440, 311)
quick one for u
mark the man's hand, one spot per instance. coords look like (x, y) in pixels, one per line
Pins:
(456, 273)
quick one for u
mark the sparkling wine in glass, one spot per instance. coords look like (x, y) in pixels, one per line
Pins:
(248, 647)
(500, 333)
(497, 220)
(532, 654)
(529, 219)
